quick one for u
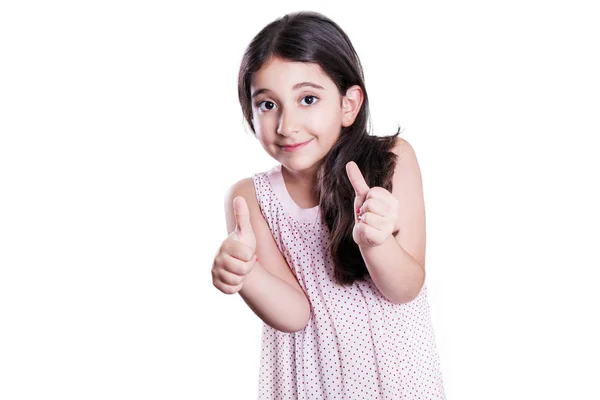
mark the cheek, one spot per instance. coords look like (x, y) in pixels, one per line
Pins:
(265, 138)
(327, 122)
(260, 128)
(264, 123)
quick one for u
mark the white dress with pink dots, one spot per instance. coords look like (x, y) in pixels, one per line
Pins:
(357, 344)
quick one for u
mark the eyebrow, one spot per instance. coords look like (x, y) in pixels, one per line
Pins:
(296, 86)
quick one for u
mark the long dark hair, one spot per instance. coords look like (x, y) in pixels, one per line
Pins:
(311, 37)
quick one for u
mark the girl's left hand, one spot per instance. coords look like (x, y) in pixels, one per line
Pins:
(376, 210)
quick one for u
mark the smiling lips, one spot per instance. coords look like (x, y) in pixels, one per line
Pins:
(295, 147)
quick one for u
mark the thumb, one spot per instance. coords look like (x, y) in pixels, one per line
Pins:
(357, 180)
(242, 216)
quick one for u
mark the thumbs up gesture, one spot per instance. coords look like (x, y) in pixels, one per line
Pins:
(376, 210)
(237, 255)
(243, 230)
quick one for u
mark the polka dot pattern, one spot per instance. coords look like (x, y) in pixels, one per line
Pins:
(357, 345)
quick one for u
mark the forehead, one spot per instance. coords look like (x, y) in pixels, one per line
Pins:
(280, 75)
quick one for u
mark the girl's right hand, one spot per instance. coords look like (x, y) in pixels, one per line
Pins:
(236, 256)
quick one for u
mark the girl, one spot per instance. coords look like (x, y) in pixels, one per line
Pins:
(328, 246)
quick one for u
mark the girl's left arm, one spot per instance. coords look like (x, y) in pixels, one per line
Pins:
(397, 275)
(391, 229)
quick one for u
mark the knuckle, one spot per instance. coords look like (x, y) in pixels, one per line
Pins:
(233, 268)
(226, 288)
(241, 268)
(244, 253)
(247, 269)
(219, 285)
(236, 279)
(224, 246)
(233, 280)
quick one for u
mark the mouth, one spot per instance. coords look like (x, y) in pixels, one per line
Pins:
(295, 147)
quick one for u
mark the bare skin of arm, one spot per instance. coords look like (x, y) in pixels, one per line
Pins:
(270, 290)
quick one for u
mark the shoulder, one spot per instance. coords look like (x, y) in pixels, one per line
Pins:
(246, 186)
(406, 162)
(407, 173)
(242, 187)
(401, 147)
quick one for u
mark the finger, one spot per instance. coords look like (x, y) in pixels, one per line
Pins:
(357, 180)
(230, 279)
(378, 192)
(369, 235)
(242, 215)
(237, 249)
(373, 220)
(358, 202)
(225, 288)
(236, 266)
(374, 206)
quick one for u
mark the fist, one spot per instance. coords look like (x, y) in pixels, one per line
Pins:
(375, 210)
(237, 255)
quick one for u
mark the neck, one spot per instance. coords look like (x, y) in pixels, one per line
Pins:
(305, 178)
(301, 185)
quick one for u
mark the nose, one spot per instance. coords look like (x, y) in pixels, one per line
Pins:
(288, 124)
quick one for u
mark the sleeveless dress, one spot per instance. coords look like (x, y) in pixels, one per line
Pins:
(357, 344)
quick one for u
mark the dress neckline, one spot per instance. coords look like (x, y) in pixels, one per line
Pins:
(278, 184)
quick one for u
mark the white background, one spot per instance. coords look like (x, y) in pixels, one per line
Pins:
(121, 132)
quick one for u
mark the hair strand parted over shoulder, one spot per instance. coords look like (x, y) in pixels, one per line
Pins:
(313, 38)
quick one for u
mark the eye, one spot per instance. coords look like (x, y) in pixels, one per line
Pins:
(314, 99)
(270, 105)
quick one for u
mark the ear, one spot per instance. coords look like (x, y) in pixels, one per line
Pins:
(351, 104)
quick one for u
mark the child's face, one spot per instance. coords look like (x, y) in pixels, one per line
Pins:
(284, 115)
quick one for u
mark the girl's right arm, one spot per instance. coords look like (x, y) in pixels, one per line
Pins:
(271, 290)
